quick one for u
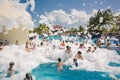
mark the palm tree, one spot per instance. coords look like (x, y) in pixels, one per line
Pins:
(113, 30)
(108, 18)
(42, 29)
(81, 29)
(101, 19)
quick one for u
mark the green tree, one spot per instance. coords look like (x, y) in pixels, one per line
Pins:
(102, 18)
(81, 29)
(113, 30)
(42, 29)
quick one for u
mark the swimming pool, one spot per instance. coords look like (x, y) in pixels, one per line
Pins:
(49, 72)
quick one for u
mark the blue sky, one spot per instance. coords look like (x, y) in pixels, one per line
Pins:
(44, 7)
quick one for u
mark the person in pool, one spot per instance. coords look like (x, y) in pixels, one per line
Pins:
(75, 62)
(16, 42)
(68, 49)
(98, 43)
(79, 56)
(1, 46)
(28, 76)
(89, 49)
(60, 64)
(10, 69)
(94, 49)
(81, 46)
(62, 45)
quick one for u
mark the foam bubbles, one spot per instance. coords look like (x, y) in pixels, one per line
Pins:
(26, 61)
(14, 14)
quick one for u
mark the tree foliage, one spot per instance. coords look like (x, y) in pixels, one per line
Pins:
(42, 28)
(101, 19)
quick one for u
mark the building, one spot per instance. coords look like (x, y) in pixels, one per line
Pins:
(15, 22)
(15, 34)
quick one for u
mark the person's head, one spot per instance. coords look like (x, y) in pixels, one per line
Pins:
(11, 64)
(80, 45)
(5, 40)
(59, 59)
(16, 42)
(1, 43)
(74, 59)
(28, 76)
(79, 52)
(41, 43)
(92, 45)
(67, 47)
(95, 48)
(89, 47)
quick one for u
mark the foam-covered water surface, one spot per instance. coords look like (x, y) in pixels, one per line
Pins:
(99, 61)
(49, 72)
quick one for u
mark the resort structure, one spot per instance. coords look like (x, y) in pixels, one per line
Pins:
(21, 35)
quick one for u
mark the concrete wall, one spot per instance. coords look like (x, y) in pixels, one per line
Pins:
(16, 34)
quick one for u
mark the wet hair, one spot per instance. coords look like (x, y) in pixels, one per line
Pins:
(74, 59)
(79, 52)
(1, 43)
(80, 44)
(28, 76)
(41, 43)
(67, 47)
(59, 59)
(89, 47)
(11, 63)
(95, 47)
(92, 44)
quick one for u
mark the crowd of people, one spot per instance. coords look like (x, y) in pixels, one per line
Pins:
(63, 46)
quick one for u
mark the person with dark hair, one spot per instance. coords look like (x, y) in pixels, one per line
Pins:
(60, 64)
(6, 42)
(16, 42)
(68, 49)
(28, 76)
(62, 45)
(79, 55)
(94, 49)
(89, 49)
(1, 46)
(10, 69)
(41, 44)
(75, 62)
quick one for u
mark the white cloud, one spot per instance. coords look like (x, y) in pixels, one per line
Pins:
(117, 13)
(32, 3)
(61, 16)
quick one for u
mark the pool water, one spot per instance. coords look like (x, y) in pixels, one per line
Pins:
(114, 64)
(49, 72)
(16, 72)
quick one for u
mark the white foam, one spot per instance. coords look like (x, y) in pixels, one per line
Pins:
(13, 14)
(26, 61)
